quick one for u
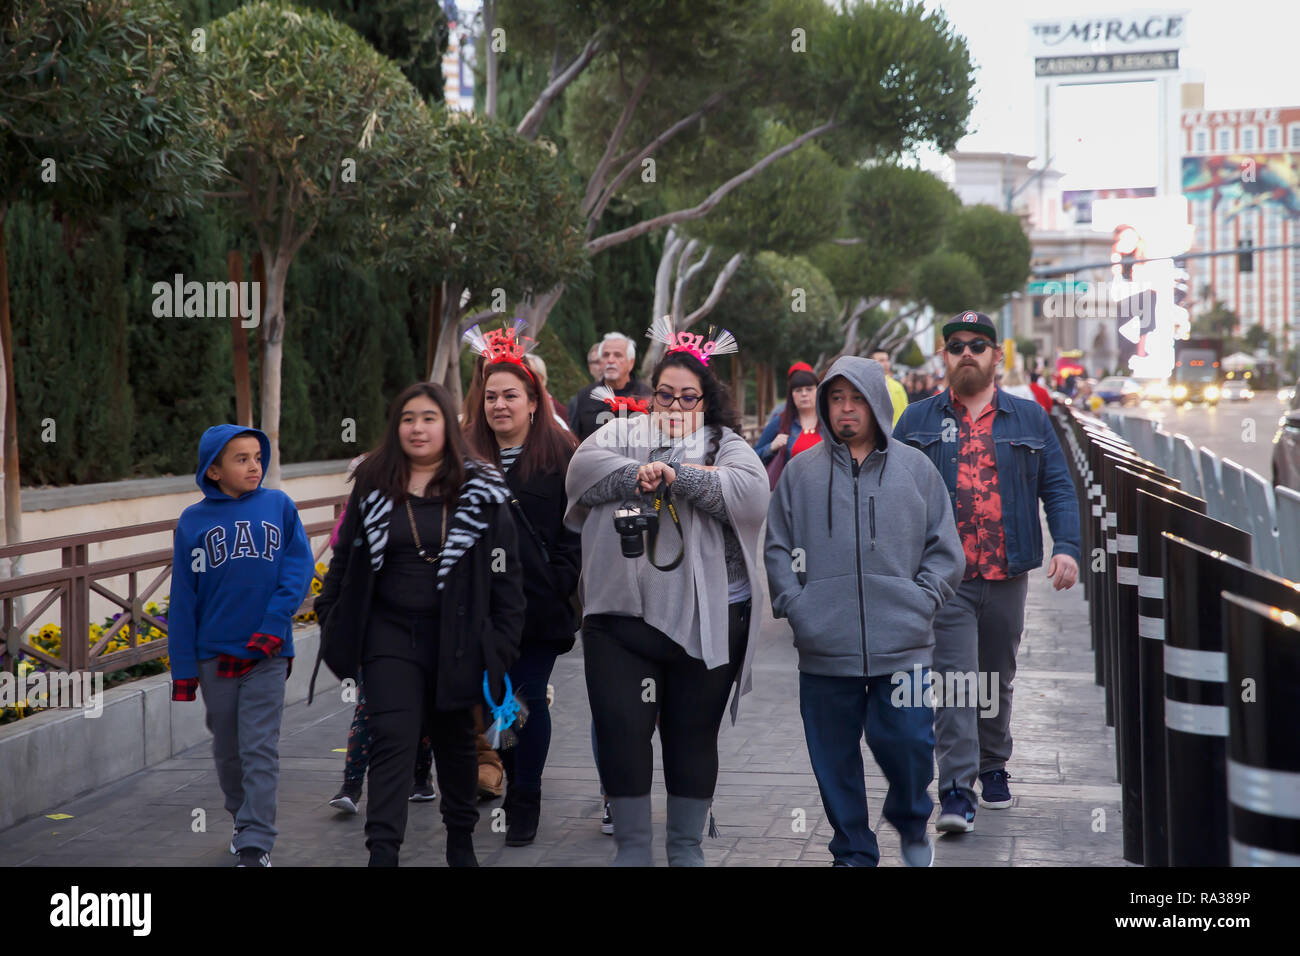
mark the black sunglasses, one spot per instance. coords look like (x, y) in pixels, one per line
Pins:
(665, 399)
(977, 346)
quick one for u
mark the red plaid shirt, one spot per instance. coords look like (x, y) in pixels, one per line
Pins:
(979, 502)
(267, 645)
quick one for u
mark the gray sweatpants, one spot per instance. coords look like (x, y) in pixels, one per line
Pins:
(244, 714)
(976, 636)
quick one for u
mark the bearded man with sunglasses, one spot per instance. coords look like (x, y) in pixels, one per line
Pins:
(999, 456)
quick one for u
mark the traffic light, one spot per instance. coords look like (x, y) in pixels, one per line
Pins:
(1246, 260)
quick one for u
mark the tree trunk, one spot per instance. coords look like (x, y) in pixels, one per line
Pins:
(431, 339)
(489, 24)
(737, 386)
(259, 276)
(447, 354)
(537, 308)
(239, 346)
(272, 361)
(13, 529)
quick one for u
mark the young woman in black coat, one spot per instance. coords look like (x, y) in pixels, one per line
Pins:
(514, 428)
(424, 594)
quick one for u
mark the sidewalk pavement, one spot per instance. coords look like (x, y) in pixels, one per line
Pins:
(768, 812)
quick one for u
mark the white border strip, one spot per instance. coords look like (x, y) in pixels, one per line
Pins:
(1274, 793)
(1196, 665)
(1202, 719)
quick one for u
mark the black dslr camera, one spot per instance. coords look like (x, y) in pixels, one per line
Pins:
(630, 522)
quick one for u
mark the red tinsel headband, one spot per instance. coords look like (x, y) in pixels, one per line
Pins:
(502, 345)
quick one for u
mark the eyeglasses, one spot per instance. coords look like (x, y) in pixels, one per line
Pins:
(977, 346)
(665, 399)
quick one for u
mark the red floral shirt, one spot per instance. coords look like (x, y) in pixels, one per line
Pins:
(979, 502)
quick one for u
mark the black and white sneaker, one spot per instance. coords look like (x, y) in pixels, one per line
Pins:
(345, 801)
(252, 856)
(234, 833)
(423, 792)
(607, 821)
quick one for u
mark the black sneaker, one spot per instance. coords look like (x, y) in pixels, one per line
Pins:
(345, 801)
(234, 833)
(956, 813)
(994, 792)
(423, 792)
(252, 856)
(607, 821)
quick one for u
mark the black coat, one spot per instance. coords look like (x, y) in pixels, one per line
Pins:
(587, 411)
(548, 585)
(481, 611)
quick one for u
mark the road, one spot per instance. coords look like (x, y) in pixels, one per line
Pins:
(1242, 431)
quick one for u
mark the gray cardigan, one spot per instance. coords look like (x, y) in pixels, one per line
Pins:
(689, 603)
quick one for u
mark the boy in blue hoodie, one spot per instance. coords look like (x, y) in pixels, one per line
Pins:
(241, 566)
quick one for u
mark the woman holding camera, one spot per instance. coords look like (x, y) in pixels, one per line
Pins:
(668, 632)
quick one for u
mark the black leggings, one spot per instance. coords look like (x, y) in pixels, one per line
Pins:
(400, 676)
(621, 653)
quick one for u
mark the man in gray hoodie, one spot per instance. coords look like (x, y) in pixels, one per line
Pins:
(861, 551)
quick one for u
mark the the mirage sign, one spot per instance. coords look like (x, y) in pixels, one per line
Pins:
(1120, 33)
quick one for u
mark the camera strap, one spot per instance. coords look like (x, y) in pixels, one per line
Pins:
(664, 498)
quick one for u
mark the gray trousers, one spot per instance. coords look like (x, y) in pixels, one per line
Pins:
(976, 636)
(244, 714)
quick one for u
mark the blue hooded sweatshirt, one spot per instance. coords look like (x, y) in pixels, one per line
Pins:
(241, 566)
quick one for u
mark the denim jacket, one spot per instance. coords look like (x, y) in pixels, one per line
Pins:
(1030, 466)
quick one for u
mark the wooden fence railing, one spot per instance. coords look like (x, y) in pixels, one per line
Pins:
(72, 584)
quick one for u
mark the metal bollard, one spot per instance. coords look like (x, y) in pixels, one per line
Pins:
(1156, 515)
(1263, 746)
(1196, 669)
(1108, 580)
(1127, 482)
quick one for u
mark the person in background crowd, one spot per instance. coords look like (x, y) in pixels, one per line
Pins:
(516, 434)
(861, 551)
(595, 369)
(793, 428)
(1041, 395)
(896, 393)
(685, 624)
(618, 357)
(424, 594)
(537, 365)
(1013, 383)
(999, 461)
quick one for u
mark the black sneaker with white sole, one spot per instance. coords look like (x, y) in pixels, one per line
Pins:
(252, 856)
(234, 833)
(956, 813)
(994, 792)
(607, 821)
(423, 792)
(345, 801)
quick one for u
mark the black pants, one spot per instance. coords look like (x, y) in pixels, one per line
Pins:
(400, 665)
(621, 654)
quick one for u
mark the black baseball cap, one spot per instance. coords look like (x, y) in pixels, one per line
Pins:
(971, 322)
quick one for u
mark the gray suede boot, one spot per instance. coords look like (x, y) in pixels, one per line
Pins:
(686, 817)
(632, 830)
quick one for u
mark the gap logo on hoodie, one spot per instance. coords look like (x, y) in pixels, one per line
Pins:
(241, 566)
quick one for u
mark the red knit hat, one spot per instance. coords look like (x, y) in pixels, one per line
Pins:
(799, 367)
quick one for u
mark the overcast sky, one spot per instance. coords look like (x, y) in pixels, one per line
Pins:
(1244, 52)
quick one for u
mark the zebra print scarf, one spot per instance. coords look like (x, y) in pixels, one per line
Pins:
(483, 486)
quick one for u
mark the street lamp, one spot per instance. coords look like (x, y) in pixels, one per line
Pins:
(1010, 195)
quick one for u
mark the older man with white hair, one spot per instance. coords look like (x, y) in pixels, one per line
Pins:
(617, 357)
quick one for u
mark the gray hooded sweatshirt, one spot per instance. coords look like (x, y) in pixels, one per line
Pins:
(859, 558)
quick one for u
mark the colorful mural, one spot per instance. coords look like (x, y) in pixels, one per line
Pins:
(1244, 181)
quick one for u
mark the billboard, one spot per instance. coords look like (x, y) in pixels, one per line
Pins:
(1241, 182)
(1147, 298)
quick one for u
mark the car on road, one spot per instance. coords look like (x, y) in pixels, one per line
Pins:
(1286, 446)
(1118, 388)
(1157, 390)
(1236, 390)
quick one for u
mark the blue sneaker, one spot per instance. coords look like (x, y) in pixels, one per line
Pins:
(956, 813)
(994, 792)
